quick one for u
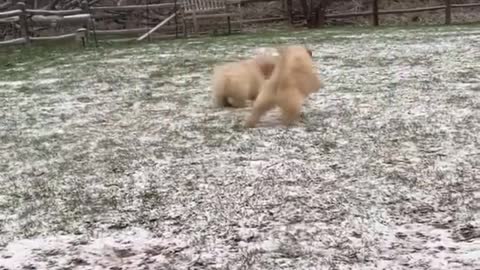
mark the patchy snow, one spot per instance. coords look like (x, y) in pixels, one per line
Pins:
(119, 159)
(6, 84)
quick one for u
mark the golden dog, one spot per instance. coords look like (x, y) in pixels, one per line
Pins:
(292, 81)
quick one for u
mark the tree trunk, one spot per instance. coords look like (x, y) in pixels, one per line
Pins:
(305, 9)
(290, 10)
(316, 13)
(320, 15)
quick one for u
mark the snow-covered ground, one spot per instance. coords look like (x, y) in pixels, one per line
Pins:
(115, 158)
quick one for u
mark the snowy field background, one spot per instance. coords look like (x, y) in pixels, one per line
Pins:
(115, 158)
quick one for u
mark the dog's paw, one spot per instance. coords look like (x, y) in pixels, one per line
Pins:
(250, 122)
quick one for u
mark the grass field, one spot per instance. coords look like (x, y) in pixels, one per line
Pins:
(116, 158)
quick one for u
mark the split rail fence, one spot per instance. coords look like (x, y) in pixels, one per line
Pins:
(375, 12)
(22, 15)
(188, 10)
(86, 16)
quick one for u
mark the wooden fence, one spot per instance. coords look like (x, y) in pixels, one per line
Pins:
(86, 15)
(22, 15)
(375, 12)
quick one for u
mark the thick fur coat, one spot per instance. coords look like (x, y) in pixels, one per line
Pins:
(233, 84)
(292, 81)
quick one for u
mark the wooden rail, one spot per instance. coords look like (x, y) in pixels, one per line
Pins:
(465, 5)
(16, 41)
(260, 20)
(348, 15)
(410, 10)
(132, 7)
(123, 31)
(10, 19)
(77, 35)
(55, 12)
(41, 19)
(11, 13)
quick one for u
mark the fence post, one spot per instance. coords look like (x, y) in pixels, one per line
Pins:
(84, 7)
(229, 25)
(448, 12)
(175, 8)
(24, 22)
(184, 21)
(375, 12)
(80, 36)
(91, 23)
(195, 21)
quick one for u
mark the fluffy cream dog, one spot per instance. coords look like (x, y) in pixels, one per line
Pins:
(292, 81)
(236, 82)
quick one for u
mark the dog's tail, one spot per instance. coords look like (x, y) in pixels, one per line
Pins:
(219, 84)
